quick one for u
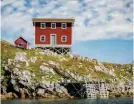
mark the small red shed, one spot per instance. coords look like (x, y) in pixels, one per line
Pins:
(53, 33)
(21, 43)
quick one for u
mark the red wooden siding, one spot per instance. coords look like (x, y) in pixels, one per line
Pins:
(20, 41)
(58, 31)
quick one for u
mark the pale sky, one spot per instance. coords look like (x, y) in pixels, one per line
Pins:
(95, 20)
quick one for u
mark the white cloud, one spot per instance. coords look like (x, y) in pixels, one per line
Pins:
(106, 19)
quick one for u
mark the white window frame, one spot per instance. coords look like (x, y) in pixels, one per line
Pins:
(41, 25)
(44, 38)
(52, 27)
(65, 25)
(65, 38)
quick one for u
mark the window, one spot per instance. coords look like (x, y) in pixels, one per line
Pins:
(21, 45)
(64, 38)
(43, 25)
(42, 38)
(63, 25)
(53, 25)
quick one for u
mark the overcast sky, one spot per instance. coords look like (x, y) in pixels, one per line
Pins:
(96, 22)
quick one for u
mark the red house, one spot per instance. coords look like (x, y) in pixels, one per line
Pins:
(53, 33)
(21, 43)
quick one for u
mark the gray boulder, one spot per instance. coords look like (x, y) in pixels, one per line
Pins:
(16, 88)
(10, 61)
(13, 82)
(46, 69)
(3, 89)
(25, 76)
(61, 89)
(21, 56)
(40, 91)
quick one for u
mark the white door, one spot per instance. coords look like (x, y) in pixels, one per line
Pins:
(53, 39)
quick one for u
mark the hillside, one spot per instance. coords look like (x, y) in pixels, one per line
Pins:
(25, 68)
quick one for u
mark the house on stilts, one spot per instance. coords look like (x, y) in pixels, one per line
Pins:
(54, 34)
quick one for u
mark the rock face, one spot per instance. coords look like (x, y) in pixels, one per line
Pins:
(38, 73)
(21, 81)
(46, 69)
(23, 84)
(21, 56)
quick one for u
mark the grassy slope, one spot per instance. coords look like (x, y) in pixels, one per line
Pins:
(87, 67)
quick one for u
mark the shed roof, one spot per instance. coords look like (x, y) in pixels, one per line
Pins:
(22, 39)
(53, 20)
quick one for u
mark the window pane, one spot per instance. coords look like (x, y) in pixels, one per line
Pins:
(43, 25)
(64, 39)
(43, 38)
(53, 25)
(64, 25)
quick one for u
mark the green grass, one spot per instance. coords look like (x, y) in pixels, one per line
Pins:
(100, 74)
(74, 65)
(8, 52)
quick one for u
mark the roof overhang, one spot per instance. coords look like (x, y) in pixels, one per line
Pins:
(53, 20)
(22, 39)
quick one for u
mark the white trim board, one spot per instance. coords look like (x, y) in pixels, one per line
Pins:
(48, 45)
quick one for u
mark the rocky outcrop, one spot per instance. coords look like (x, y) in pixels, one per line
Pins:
(21, 56)
(39, 73)
(46, 69)
(21, 83)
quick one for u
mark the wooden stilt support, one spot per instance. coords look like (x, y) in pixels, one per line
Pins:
(58, 50)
